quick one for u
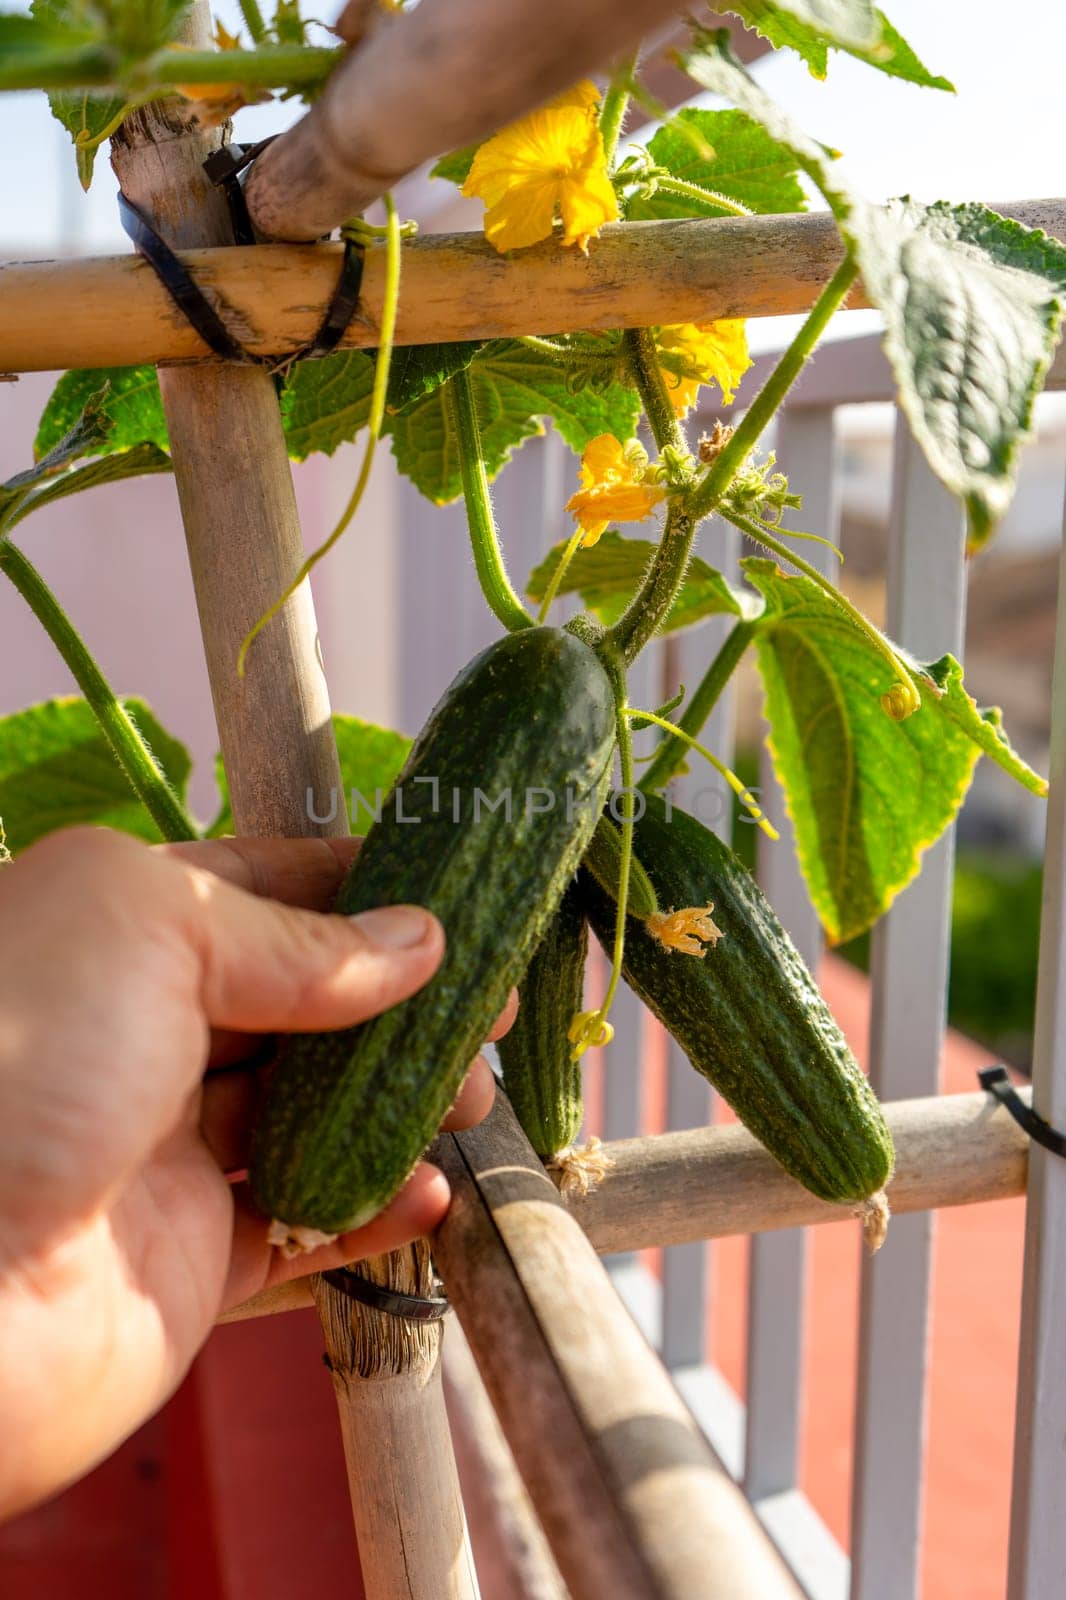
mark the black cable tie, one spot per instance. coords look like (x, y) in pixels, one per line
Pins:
(179, 284)
(412, 1307)
(224, 169)
(996, 1080)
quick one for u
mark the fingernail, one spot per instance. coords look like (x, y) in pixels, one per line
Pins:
(394, 927)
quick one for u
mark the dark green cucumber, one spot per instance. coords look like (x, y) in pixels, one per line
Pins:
(603, 858)
(528, 726)
(542, 1080)
(748, 1014)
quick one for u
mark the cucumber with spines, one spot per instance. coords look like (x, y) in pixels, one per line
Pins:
(749, 1015)
(347, 1115)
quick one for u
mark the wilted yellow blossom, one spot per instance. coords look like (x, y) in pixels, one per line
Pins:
(549, 164)
(688, 930)
(612, 486)
(707, 351)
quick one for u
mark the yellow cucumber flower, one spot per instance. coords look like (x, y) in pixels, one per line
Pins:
(706, 350)
(612, 486)
(548, 164)
(689, 930)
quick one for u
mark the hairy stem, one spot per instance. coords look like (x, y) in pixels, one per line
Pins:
(625, 761)
(559, 574)
(127, 745)
(695, 191)
(711, 487)
(615, 105)
(672, 752)
(484, 541)
(650, 605)
(253, 20)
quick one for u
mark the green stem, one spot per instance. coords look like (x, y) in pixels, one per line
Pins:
(484, 540)
(274, 66)
(547, 347)
(378, 395)
(643, 357)
(128, 747)
(559, 574)
(650, 605)
(625, 761)
(711, 487)
(743, 794)
(615, 105)
(910, 700)
(696, 191)
(672, 752)
(253, 20)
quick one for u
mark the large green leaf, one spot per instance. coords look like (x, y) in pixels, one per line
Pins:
(325, 403)
(607, 577)
(370, 758)
(57, 769)
(973, 306)
(710, 63)
(891, 54)
(132, 404)
(866, 794)
(746, 165)
(514, 388)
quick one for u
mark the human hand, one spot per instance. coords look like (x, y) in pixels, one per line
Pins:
(126, 975)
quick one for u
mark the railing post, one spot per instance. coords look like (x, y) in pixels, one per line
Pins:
(1037, 1567)
(926, 597)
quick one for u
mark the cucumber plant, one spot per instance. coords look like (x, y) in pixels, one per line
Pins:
(680, 918)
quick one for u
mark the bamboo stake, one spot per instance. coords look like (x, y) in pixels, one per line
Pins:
(112, 311)
(244, 544)
(633, 1503)
(417, 84)
(715, 1182)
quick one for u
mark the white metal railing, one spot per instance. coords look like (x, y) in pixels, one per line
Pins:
(760, 1442)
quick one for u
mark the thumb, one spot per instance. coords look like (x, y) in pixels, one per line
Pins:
(270, 968)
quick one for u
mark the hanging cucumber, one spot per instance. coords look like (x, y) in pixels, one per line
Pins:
(749, 1015)
(485, 827)
(603, 858)
(540, 1075)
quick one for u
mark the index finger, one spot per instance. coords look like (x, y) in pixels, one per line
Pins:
(297, 872)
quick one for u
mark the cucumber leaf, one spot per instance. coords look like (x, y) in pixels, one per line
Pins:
(867, 795)
(456, 165)
(973, 307)
(607, 577)
(371, 760)
(138, 462)
(325, 403)
(747, 165)
(710, 62)
(132, 404)
(842, 22)
(57, 769)
(514, 389)
(417, 369)
(891, 54)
